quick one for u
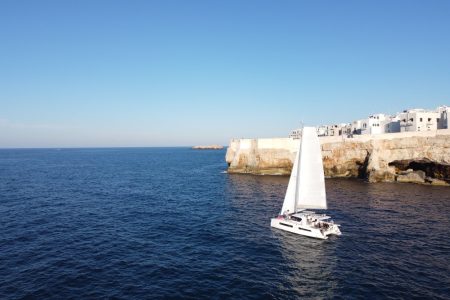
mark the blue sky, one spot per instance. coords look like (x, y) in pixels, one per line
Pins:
(177, 73)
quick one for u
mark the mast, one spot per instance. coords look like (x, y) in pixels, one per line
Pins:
(298, 172)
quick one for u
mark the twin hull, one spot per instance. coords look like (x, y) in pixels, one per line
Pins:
(299, 228)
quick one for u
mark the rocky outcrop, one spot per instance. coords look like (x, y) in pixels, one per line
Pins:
(420, 157)
(208, 147)
(412, 176)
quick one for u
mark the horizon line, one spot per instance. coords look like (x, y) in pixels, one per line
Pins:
(95, 147)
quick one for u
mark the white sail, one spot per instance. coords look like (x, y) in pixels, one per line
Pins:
(289, 199)
(311, 182)
(306, 189)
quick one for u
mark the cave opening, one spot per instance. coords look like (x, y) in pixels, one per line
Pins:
(432, 169)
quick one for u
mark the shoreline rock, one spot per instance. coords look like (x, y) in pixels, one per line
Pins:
(208, 147)
(419, 157)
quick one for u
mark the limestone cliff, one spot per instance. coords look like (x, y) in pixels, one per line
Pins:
(405, 157)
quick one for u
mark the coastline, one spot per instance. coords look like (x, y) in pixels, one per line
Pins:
(419, 157)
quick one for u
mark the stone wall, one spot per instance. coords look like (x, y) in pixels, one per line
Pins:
(384, 157)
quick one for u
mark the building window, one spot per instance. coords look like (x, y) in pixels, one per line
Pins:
(429, 119)
(412, 119)
(437, 120)
(420, 119)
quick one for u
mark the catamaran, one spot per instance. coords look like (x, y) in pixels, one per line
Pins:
(306, 190)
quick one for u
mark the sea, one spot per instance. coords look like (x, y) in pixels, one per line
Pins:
(170, 223)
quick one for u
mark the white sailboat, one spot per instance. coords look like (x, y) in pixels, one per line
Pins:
(306, 190)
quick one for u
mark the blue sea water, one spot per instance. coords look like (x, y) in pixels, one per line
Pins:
(149, 223)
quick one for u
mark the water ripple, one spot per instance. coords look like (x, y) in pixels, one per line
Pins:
(168, 223)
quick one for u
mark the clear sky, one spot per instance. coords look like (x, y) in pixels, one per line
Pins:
(176, 73)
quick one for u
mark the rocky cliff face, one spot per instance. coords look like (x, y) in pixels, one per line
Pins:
(421, 157)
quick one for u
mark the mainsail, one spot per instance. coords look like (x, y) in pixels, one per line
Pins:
(311, 181)
(306, 187)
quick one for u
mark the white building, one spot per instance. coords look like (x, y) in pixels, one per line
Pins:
(333, 130)
(407, 121)
(345, 128)
(356, 127)
(337, 129)
(418, 120)
(295, 134)
(392, 124)
(444, 115)
(375, 124)
(322, 130)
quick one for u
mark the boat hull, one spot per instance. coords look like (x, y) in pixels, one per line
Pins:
(302, 229)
